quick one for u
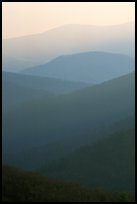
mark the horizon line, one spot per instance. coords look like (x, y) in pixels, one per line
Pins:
(69, 24)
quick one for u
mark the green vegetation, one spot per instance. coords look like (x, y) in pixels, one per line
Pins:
(68, 116)
(108, 163)
(58, 125)
(21, 186)
(92, 129)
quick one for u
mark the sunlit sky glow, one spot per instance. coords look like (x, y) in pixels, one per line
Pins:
(25, 18)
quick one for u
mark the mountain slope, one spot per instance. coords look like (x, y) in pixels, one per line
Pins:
(109, 163)
(13, 64)
(68, 121)
(14, 94)
(67, 39)
(45, 84)
(21, 186)
(92, 67)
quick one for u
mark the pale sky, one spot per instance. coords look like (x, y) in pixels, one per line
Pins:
(25, 18)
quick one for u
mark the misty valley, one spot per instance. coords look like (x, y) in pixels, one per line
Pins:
(68, 115)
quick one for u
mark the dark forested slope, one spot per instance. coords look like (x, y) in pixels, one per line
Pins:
(21, 186)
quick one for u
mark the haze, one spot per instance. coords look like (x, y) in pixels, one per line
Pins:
(25, 18)
(68, 102)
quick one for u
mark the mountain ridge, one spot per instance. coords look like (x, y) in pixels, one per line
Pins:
(69, 25)
(111, 158)
(90, 67)
(80, 117)
(69, 39)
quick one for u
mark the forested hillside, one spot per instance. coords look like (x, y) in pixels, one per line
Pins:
(21, 186)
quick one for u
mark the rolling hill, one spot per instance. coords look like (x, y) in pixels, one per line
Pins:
(109, 163)
(48, 129)
(14, 94)
(12, 64)
(68, 39)
(91, 67)
(22, 186)
(38, 84)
